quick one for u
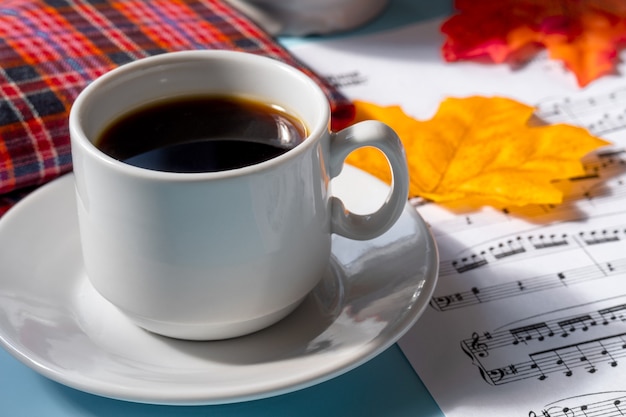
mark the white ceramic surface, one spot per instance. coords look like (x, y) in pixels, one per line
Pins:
(53, 320)
(310, 17)
(215, 255)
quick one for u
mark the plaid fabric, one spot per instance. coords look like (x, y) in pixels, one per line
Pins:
(51, 49)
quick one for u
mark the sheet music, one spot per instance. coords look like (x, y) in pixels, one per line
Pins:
(529, 316)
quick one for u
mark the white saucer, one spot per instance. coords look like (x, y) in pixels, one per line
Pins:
(53, 321)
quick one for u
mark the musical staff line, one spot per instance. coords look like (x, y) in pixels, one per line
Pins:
(524, 246)
(479, 295)
(602, 404)
(601, 115)
(589, 355)
(481, 345)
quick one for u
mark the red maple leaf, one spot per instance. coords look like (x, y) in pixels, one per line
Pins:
(585, 35)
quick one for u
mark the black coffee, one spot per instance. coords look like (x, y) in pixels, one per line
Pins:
(201, 134)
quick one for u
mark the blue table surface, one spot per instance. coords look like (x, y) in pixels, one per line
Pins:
(385, 386)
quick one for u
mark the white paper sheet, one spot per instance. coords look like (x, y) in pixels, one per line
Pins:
(529, 316)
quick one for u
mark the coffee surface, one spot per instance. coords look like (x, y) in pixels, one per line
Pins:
(201, 134)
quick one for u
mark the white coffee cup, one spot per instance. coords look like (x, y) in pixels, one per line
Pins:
(218, 254)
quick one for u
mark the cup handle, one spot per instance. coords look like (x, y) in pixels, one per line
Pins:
(382, 137)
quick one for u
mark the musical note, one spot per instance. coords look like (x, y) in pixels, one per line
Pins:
(467, 264)
(562, 363)
(601, 404)
(564, 359)
(520, 246)
(476, 293)
(570, 325)
(584, 408)
(536, 331)
(543, 330)
(543, 241)
(610, 312)
(509, 248)
(495, 292)
(607, 353)
(587, 364)
(535, 366)
(606, 163)
(587, 348)
(604, 236)
(601, 115)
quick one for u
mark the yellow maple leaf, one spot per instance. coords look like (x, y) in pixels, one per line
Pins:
(480, 150)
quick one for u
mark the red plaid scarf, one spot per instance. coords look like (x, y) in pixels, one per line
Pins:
(51, 49)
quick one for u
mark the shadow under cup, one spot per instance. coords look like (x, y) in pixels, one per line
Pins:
(208, 255)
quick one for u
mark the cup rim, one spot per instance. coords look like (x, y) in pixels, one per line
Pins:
(78, 137)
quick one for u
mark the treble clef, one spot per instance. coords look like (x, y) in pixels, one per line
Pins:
(478, 347)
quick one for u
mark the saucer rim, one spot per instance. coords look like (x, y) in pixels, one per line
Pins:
(428, 279)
